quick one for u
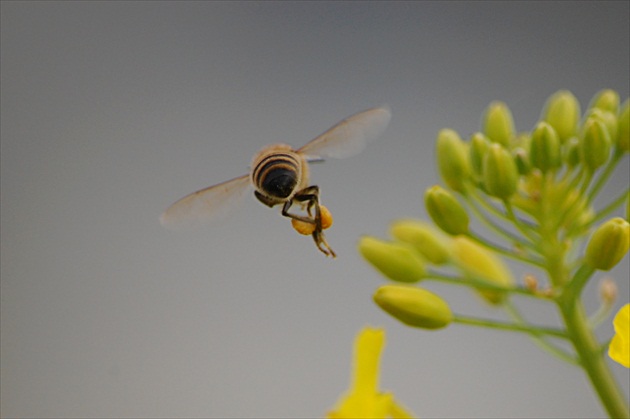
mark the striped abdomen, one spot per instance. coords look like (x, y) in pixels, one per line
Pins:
(277, 172)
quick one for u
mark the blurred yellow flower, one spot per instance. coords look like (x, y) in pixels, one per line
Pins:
(619, 349)
(363, 399)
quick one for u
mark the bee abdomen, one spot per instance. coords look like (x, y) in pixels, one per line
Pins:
(277, 174)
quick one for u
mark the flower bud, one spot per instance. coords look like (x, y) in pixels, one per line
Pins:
(479, 145)
(446, 211)
(397, 261)
(414, 306)
(544, 152)
(623, 127)
(594, 144)
(572, 152)
(608, 244)
(498, 124)
(606, 100)
(521, 159)
(608, 118)
(500, 174)
(478, 262)
(608, 291)
(452, 154)
(431, 243)
(530, 282)
(562, 112)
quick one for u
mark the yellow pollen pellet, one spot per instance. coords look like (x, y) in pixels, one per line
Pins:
(305, 228)
(327, 219)
(302, 227)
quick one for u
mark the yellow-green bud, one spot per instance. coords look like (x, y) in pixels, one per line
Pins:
(397, 261)
(594, 144)
(452, 154)
(608, 291)
(623, 127)
(572, 152)
(562, 112)
(479, 145)
(608, 244)
(608, 118)
(478, 262)
(522, 140)
(498, 124)
(522, 160)
(606, 100)
(430, 242)
(414, 306)
(544, 151)
(446, 211)
(500, 174)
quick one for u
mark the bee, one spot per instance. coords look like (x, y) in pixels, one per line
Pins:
(280, 177)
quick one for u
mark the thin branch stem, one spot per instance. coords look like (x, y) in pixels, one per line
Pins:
(484, 218)
(478, 283)
(610, 207)
(518, 223)
(507, 252)
(604, 176)
(600, 315)
(540, 340)
(514, 327)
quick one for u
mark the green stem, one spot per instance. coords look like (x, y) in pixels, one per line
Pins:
(481, 284)
(492, 324)
(483, 217)
(600, 315)
(604, 176)
(591, 358)
(586, 181)
(485, 203)
(507, 252)
(539, 339)
(573, 183)
(610, 207)
(518, 223)
(580, 279)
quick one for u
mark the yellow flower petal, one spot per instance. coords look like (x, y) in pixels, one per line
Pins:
(363, 399)
(619, 349)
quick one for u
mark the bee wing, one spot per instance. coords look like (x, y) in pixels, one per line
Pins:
(349, 136)
(206, 204)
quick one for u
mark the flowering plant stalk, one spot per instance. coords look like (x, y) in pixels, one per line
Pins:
(536, 194)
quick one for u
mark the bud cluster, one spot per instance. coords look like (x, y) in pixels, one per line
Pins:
(544, 181)
(533, 189)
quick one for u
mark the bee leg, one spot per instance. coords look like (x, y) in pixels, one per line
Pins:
(318, 234)
(322, 244)
(270, 202)
(286, 213)
(310, 195)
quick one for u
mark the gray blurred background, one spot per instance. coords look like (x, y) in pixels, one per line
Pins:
(113, 110)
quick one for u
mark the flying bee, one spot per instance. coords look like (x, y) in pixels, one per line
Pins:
(280, 176)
